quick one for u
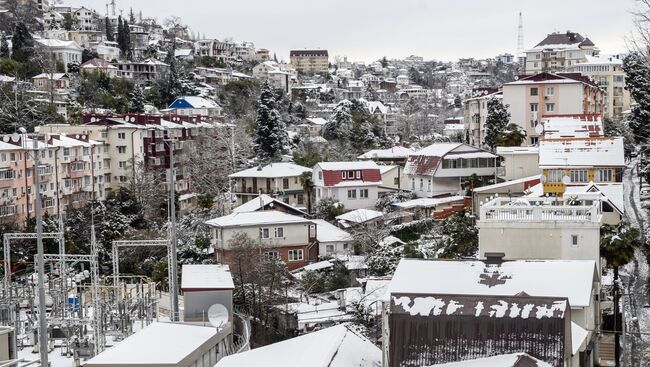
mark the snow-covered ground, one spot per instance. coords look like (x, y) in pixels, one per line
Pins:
(636, 278)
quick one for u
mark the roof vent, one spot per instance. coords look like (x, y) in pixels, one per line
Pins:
(494, 258)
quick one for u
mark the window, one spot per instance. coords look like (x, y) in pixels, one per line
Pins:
(121, 149)
(295, 255)
(121, 136)
(66, 152)
(329, 249)
(320, 175)
(358, 173)
(579, 175)
(86, 151)
(352, 194)
(121, 164)
(413, 182)
(279, 232)
(534, 91)
(550, 107)
(396, 181)
(301, 199)
(554, 176)
(285, 183)
(603, 175)
(574, 240)
(264, 233)
(429, 186)
(550, 91)
(421, 184)
(271, 255)
(343, 175)
(363, 194)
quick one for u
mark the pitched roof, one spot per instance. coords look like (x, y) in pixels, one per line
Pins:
(193, 102)
(262, 202)
(567, 38)
(396, 152)
(255, 218)
(503, 360)
(204, 277)
(327, 232)
(336, 346)
(279, 169)
(97, 63)
(360, 215)
(343, 166)
(570, 279)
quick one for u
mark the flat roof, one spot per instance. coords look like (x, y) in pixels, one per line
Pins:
(206, 277)
(157, 344)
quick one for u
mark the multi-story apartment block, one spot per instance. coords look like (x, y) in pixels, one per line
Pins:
(280, 180)
(559, 51)
(353, 184)
(443, 168)
(532, 97)
(145, 71)
(475, 113)
(289, 238)
(70, 170)
(66, 52)
(275, 74)
(221, 50)
(310, 61)
(607, 72)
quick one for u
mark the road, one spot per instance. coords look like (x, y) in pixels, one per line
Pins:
(636, 352)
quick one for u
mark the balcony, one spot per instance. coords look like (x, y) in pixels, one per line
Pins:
(538, 210)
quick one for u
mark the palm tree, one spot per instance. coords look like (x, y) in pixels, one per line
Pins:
(617, 245)
(308, 187)
(512, 136)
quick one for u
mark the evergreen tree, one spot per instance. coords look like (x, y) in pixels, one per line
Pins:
(110, 36)
(127, 40)
(384, 62)
(497, 119)
(511, 136)
(4, 48)
(131, 16)
(120, 33)
(270, 134)
(136, 100)
(637, 82)
(22, 44)
(338, 126)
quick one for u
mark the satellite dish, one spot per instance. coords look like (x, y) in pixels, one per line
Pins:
(566, 180)
(539, 129)
(218, 315)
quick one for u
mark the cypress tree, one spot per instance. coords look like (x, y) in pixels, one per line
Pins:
(270, 135)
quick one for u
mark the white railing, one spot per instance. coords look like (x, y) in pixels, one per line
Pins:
(538, 211)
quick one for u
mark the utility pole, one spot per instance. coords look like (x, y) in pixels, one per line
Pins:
(173, 276)
(42, 319)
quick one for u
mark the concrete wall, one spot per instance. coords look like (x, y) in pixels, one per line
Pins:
(294, 234)
(540, 240)
(341, 194)
(520, 165)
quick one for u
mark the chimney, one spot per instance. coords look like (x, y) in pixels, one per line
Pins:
(494, 258)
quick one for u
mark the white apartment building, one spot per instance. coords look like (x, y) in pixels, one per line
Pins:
(607, 72)
(441, 168)
(67, 52)
(559, 51)
(353, 184)
(475, 113)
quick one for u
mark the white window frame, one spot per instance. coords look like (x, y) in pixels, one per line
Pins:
(363, 194)
(295, 255)
(278, 232)
(352, 194)
(263, 231)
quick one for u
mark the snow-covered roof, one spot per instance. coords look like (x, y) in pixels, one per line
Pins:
(597, 152)
(503, 360)
(157, 344)
(385, 169)
(279, 169)
(470, 155)
(206, 277)
(53, 76)
(260, 202)
(343, 166)
(600, 60)
(507, 183)
(327, 232)
(199, 102)
(578, 336)
(317, 120)
(336, 346)
(255, 218)
(360, 215)
(428, 202)
(437, 149)
(572, 127)
(57, 43)
(517, 150)
(612, 192)
(572, 279)
(396, 152)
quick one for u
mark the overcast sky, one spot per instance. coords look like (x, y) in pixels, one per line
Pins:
(369, 29)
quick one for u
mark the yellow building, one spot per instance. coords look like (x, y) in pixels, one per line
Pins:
(310, 61)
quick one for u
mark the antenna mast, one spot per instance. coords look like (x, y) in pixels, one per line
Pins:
(520, 37)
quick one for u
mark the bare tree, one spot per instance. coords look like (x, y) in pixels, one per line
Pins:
(148, 186)
(639, 41)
